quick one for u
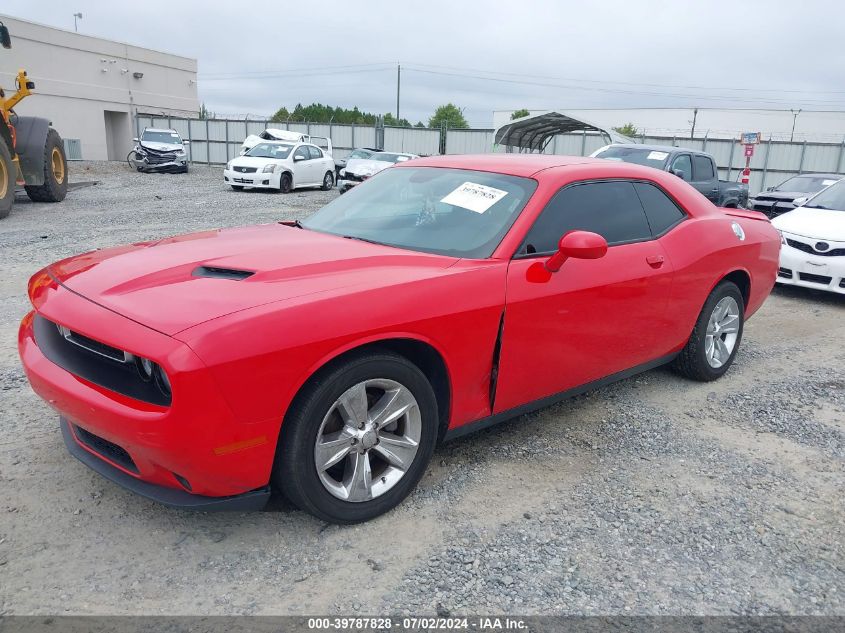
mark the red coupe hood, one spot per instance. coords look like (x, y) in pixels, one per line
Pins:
(176, 283)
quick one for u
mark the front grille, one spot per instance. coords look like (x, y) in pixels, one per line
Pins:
(155, 157)
(93, 366)
(104, 448)
(807, 248)
(93, 346)
(816, 279)
(245, 170)
(785, 272)
(842, 283)
(245, 181)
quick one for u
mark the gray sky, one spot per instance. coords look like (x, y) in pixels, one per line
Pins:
(485, 56)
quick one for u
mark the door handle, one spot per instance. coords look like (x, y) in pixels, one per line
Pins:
(655, 261)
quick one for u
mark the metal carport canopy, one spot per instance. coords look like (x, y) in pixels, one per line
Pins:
(534, 132)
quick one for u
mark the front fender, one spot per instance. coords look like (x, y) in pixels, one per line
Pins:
(31, 138)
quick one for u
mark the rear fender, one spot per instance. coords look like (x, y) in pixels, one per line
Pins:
(31, 138)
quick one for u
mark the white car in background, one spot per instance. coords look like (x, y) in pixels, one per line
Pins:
(289, 136)
(281, 166)
(812, 252)
(357, 170)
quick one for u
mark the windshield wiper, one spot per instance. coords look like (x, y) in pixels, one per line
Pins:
(363, 239)
(815, 206)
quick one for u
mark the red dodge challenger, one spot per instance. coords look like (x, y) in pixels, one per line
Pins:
(326, 359)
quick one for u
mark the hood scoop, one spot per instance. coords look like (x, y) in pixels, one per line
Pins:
(222, 273)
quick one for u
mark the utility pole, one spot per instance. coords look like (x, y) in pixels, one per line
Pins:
(76, 15)
(795, 114)
(398, 83)
(694, 117)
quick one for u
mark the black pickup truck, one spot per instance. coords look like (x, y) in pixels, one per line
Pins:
(697, 168)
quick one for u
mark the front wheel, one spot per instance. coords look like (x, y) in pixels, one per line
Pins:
(286, 183)
(357, 439)
(328, 181)
(715, 339)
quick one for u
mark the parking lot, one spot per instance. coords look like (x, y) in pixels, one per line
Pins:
(652, 496)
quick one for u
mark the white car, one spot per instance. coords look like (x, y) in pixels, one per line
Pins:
(281, 166)
(357, 170)
(289, 136)
(812, 252)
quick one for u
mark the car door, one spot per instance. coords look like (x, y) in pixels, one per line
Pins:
(682, 167)
(301, 158)
(704, 177)
(593, 318)
(320, 163)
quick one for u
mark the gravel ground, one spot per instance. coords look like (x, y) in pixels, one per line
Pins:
(652, 496)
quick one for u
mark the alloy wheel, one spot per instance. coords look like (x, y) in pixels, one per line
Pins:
(722, 332)
(368, 440)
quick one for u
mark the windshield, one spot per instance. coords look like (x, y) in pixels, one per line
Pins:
(270, 150)
(161, 137)
(831, 198)
(453, 212)
(387, 157)
(361, 153)
(638, 155)
(806, 184)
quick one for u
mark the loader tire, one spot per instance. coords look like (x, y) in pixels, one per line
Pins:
(54, 188)
(7, 180)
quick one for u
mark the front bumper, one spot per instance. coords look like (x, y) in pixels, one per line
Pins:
(257, 180)
(172, 166)
(195, 446)
(799, 268)
(246, 502)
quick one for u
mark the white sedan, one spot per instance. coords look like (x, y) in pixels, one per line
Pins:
(812, 252)
(281, 166)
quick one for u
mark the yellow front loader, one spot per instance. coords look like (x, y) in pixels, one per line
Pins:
(31, 152)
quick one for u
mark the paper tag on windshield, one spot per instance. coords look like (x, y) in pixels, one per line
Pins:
(474, 197)
(827, 183)
(657, 155)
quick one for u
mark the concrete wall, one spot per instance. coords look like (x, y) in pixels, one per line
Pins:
(78, 79)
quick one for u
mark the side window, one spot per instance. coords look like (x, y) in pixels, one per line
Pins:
(683, 164)
(315, 152)
(703, 168)
(611, 209)
(661, 211)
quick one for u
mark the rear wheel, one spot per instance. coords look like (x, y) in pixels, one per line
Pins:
(54, 188)
(285, 183)
(7, 180)
(358, 439)
(715, 339)
(328, 181)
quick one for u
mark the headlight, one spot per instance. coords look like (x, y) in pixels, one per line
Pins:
(229, 165)
(782, 238)
(268, 169)
(150, 371)
(162, 380)
(180, 152)
(343, 172)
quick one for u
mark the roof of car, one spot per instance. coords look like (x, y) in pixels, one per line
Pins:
(513, 164)
(817, 175)
(659, 148)
(158, 129)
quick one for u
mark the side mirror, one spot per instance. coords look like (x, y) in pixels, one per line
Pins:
(575, 244)
(298, 157)
(135, 140)
(800, 202)
(679, 173)
(186, 142)
(5, 38)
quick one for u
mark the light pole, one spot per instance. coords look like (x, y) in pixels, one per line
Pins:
(795, 114)
(75, 16)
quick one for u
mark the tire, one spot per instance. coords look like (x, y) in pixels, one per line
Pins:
(237, 187)
(54, 188)
(285, 183)
(695, 360)
(7, 180)
(328, 181)
(316, 408)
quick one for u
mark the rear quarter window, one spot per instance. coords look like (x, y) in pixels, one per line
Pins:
(660, 209)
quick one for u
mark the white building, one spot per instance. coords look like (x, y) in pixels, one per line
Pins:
(90, 88)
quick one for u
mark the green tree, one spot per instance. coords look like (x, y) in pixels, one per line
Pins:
(281, 115)
(519, 114)
(419, 124)
(450, 115)
(389, 119)
(629, 129)
(204, 112)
